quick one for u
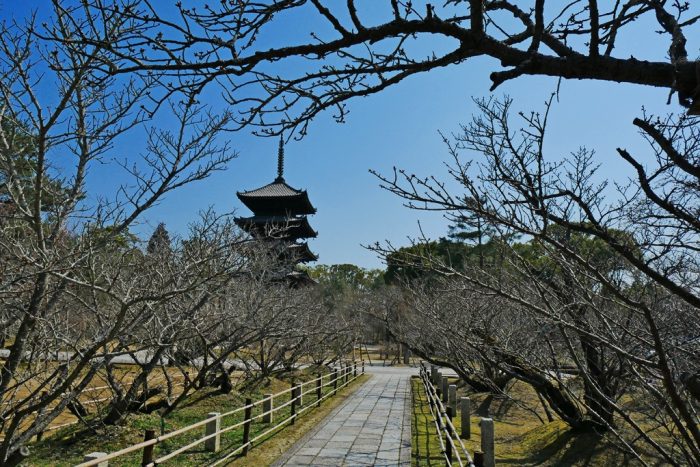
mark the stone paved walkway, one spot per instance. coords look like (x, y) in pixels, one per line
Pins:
(371, 427)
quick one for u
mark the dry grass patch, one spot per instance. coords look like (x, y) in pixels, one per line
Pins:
(523, 434)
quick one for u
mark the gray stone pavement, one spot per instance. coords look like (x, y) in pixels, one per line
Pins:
(371, 427)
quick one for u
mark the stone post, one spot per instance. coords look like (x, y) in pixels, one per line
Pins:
(93, 456)
(452, 398)
(487, 442)
(438, 384)
(466, 409)
(267, 407)
(213, 426)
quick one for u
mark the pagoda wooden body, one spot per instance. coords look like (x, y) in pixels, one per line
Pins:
(280, 218)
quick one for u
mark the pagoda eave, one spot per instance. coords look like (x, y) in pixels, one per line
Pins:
(276, 227)
(299, 253)
(277, 198)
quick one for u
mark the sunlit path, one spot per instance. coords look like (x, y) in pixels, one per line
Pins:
(372, 427)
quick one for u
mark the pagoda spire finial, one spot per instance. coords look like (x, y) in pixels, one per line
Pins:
(280, 160)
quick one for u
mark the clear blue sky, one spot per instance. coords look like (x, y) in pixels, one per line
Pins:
(399, 127)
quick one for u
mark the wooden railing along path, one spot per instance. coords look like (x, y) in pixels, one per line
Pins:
(442, 400)
(212, 425)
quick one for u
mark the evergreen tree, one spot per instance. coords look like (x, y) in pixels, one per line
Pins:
(472, 229)
(159, 241)
(18, 166)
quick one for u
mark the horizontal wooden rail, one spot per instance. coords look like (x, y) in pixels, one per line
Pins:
(288, 419)
(339, 379)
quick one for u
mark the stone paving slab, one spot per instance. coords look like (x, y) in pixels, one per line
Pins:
(371, 427)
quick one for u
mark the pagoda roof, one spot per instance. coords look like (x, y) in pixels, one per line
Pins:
(300, 279)
(277, 226)
(277, 197)
(300, 252)
(295, 279)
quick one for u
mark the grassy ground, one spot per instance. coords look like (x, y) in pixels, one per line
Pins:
(425, 447)
(68, 446)
(523, 435)
(97, 393)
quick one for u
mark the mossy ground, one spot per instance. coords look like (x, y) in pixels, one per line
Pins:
(523, 434)
(68, 446)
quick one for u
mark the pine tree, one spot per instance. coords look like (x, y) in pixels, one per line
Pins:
(159, 241)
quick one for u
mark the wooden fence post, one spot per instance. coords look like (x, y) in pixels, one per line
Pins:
(430, 398)
(434, 374)
(213, 426)
(363, 367)
(335, 381)
(466, 409)
(478, 459)
(354, 369)
(448, 445)
(347, 373)
(445, 384)
(319, 390)
(267, 409)
(436, 406)
(438, 385)
(246, 426)
(93, 456)
(487, 442)
(147, 457)
(295, 391)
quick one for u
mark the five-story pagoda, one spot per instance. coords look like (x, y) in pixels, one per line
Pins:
(280, 219)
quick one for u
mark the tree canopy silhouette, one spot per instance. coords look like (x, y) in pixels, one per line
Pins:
(350, 55)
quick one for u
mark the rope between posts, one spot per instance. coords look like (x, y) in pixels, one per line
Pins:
(449, 428)
(435, 422)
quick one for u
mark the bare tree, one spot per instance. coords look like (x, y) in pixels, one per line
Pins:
(618, 278)
(350, 55)
(70, 287)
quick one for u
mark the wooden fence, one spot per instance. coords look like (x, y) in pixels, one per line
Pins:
(442, 400)
(299, 401)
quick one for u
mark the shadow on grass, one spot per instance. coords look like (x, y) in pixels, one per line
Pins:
(569, 447)
(425, 447)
